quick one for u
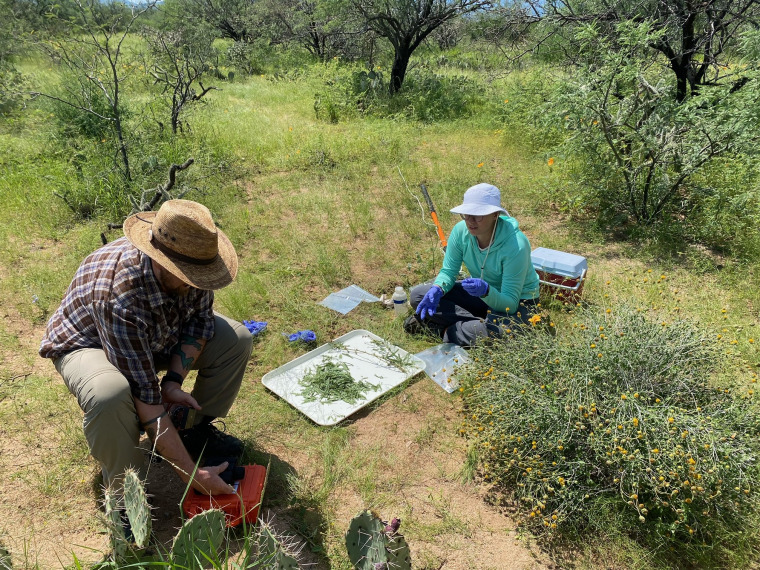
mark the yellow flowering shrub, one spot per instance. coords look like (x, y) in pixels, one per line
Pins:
(627, 420)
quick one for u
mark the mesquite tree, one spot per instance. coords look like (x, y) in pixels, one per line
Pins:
(635, 145)
(178, 62)
(406, 23)
(325, 28)
(696, 37)
(229, 19)
(97, 67)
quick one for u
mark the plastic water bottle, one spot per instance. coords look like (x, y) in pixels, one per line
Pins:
(399, 301)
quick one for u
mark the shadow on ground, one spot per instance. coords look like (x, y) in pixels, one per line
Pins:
(298, 524)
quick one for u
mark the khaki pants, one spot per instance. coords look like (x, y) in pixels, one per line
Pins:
(111, 426)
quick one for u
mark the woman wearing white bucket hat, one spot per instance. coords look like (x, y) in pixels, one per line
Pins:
(502, 289)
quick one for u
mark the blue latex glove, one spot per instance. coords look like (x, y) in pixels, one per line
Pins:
(255, 327)
(303, 336)
(429, 303)
(475, 287)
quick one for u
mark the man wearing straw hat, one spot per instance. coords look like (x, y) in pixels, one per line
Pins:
(502, 289)
(140, 305)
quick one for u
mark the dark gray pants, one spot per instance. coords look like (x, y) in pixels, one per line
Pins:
(463, 319)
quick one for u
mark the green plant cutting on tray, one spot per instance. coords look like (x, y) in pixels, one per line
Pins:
(331, 382)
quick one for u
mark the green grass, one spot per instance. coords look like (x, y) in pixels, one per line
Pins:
(313, 207)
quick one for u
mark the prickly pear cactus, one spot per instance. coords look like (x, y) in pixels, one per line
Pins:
(137, 507)
(115, 526)
(199, 540)
(396, 547)
(5, 558)
(273, 551)
(375, 545)
(363, 543)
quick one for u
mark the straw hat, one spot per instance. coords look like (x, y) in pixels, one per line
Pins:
(182, 237)
(480, 200)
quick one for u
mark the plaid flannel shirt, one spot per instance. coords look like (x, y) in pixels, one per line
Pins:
(115, 303)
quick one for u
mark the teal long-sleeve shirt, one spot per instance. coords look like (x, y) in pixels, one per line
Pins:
(508, 269)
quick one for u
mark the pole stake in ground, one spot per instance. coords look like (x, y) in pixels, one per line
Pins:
(439, 229)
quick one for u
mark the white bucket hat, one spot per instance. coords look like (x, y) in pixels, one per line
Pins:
(480, 200)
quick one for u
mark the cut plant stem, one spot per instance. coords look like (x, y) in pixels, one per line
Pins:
(331, 381)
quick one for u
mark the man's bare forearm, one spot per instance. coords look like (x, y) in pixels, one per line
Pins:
(163, 434)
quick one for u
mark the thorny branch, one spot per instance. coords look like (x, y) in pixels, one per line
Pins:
(161, 191)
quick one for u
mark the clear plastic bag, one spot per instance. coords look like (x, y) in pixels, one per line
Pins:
(441, 362)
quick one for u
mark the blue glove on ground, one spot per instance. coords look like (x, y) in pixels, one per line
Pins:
(255, 327)
(429, 303)
(306, 336)
(475, 287)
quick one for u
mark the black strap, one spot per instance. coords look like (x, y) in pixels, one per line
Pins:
(154, 420)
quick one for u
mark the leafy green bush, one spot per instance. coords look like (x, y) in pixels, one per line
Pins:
(95, 123)
(430, 97)
(724, 207)
(10, 88)
(425, 96)
(635, 147)
(520, 112)
(617, 421)
(240, 55)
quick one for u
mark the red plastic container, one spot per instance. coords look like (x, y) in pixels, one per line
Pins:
(238, 506)
(560, 274)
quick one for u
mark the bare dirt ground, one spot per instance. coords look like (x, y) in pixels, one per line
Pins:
(49, 512)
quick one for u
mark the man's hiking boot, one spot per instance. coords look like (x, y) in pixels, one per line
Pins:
(209, 440)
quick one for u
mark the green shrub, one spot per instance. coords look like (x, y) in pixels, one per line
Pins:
(636, 149)
(429, 97)
(78, 121)
(240, 55)
(724, 207)
(520, 113)
(10, 88)
(351, 91)
(617, 417)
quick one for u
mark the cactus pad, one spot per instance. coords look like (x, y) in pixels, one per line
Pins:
(274, 551)
(199, 540)
(115, 526)
(371, 547)
(137, 508)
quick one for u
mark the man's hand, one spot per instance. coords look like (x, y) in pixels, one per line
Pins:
(168, 443)
(172, 393)
(208, 481)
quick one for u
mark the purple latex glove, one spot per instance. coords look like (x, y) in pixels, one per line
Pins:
(475, 287)
(429, 303)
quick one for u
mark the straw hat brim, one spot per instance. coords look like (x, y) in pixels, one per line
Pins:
(209, 277)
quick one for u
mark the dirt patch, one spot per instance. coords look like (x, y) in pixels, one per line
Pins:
(50, 486)
(447, 523)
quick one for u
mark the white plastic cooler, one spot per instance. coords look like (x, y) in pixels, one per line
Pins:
(561, 274)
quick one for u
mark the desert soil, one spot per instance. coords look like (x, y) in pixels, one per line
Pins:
(48, 516)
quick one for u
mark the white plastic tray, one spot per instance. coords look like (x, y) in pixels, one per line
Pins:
(362, 354)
